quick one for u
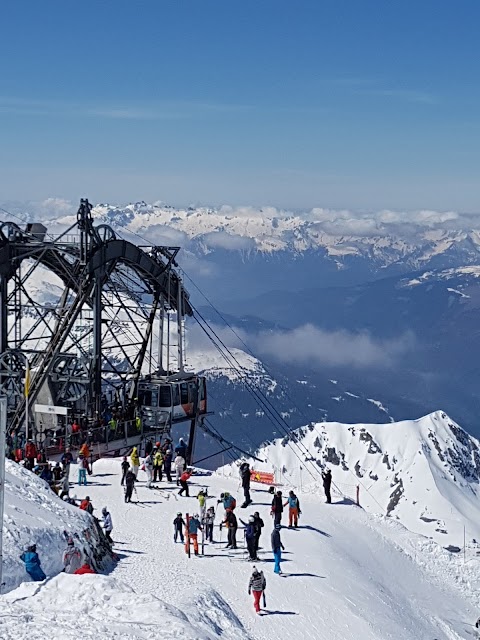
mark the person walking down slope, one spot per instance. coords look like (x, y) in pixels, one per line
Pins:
(193, 527)
(277, 548)
(293, 509)
(277, 508)
(129, 485)
(258, 585)
(125, 468)
(72, 557)
(327, 481)
(179, 527)
(135, 460)
(32, 563)
(107, 524)
(186, 475)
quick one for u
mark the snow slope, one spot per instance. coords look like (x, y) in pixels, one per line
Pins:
(424, 472)
(349, 575)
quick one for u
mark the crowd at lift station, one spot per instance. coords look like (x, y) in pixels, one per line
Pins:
(160, 464)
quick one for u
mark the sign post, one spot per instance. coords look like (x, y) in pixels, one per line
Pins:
(3, 434)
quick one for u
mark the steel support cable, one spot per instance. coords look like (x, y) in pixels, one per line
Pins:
(265, 404)
(248, 350)
(270, 410)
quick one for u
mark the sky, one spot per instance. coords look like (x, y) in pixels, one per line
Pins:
(363, 105)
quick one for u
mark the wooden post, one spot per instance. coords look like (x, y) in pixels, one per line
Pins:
(187, 536)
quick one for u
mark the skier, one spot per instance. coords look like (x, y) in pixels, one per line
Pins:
(107, 524)
(193, 527)
(257, 584)
(86, 505)
(229, 502)
(293, 509)
(158, 464)
(47, 475)
(245, 476)
(125, 468)
(250, 537)
(32, 563)
(202, 502)
(167, 464)
(258, 530)
(232, 524)
(179, 464)
(327, 481)
(179, 526)
(277, 547)
(135, 460)
(130, 479)
(277, 507)
(72, 557)
(65, 486)
(85, 452)
(183, 481)
(209, 521)
(149, 470)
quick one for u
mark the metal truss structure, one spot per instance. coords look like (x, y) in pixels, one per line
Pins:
(78, 311)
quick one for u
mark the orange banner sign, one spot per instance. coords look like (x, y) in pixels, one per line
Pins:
(262, 476)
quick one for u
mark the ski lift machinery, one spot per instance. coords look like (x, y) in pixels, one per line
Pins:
(107, 334)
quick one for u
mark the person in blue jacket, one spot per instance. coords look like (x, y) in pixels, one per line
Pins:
(250, 531)
(32, 563)
(181, 449)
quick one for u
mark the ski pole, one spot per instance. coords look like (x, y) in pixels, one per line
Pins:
(264, 601)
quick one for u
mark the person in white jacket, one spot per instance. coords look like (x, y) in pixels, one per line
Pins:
(107, 524)
(179, 464)
(72, 557)
(149, 470)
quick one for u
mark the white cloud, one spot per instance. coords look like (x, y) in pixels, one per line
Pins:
(310, 345)
(229, 241)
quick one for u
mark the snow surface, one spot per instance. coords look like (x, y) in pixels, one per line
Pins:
(350, 574)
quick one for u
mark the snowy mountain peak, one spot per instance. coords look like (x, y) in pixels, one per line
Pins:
(424, 472)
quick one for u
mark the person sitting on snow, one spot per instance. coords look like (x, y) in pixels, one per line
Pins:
(72, 557)
(32, 563)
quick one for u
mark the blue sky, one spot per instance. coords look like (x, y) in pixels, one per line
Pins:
(353, 104)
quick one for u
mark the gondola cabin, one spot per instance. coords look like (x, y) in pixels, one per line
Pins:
(163, 402)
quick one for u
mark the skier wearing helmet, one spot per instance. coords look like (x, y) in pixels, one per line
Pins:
(193, 527)
(250, 537)
(277, 548)
(257, 584)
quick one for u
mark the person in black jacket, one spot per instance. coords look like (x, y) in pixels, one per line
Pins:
(258, 524)
(179, 524)
(125, 468)
(245, 476)
(232, 524)
(250, 537)
(130, 479)
(277, 547)
(327, 481)
(277, 508)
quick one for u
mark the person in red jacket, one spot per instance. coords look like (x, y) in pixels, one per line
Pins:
(85, 568)
(184, 482)
(30, 453)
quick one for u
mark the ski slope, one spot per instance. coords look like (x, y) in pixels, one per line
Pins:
(348, 575)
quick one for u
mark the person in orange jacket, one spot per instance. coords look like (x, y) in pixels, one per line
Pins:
(186, 475)
(86, 505)
(85, 452)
